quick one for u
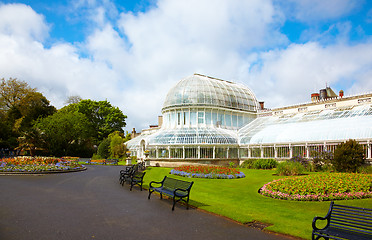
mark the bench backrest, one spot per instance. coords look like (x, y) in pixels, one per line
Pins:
(171, 183)
(354, 219)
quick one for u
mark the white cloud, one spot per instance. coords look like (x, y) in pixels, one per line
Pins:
(319, 10)
(20, 21)
(289, 76)
(134, 67)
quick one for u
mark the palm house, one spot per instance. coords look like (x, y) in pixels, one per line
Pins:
(209, 120)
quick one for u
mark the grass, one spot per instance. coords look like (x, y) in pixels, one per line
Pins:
(238, 199)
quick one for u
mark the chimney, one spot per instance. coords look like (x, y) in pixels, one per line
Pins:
(261, 105)
(160, 121)
(341, 94)
(315, 97)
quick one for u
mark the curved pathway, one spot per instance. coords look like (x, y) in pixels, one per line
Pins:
(93, 205)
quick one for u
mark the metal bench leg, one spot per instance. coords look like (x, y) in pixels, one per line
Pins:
(149, 194)
(174, 203)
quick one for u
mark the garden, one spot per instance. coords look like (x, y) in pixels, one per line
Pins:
(239, 199)
(39, 165)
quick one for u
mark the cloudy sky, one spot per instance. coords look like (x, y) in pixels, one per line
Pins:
(132, 52)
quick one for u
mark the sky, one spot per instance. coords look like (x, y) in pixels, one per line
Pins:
(131, 53)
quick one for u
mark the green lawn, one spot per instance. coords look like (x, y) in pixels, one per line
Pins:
(239, 200)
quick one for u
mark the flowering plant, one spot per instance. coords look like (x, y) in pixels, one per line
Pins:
(37, 164)
(320, 187)
(207, 172)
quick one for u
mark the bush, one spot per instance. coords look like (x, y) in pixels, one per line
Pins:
(290, 168)
(248, 163)
(366, 169)
(349, 156)
(265, 164)
(104, 148)
(322, 160)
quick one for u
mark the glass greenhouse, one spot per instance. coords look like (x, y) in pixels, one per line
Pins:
(206, 119)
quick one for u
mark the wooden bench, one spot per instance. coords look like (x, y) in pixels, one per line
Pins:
(178, 190)
(345, 222)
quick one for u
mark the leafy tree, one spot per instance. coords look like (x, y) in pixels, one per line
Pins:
(102, 116)
(66, 134)
(31, 107)
(31, 141)
(348, 156)
(117, 147)
(103, 150)
(73, 99)
(12, 91)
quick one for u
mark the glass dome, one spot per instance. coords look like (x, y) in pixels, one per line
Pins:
(200, 90)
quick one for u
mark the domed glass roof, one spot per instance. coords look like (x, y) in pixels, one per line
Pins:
(200, 90)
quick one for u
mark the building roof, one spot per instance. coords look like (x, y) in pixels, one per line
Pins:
(200, 90)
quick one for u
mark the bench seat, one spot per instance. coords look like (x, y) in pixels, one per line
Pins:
(178, 190)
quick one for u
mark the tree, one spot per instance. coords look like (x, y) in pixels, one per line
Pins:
(117, 147)
(67, 134)
(73, 99)
(348, 156)
(103, 117)
(12, 91)
(28, 109)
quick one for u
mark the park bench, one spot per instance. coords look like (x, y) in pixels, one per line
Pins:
(127, 172)
(111, 161)
(178, 190)
(345, 222)
(136, 179)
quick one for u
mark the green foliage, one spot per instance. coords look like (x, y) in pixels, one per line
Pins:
(102, 116)
(104, 149)
(265, 164)
(20, 107)
(366, 169)
(259, 163)
(322, 161)
(66, 134)
(349, 156)
(248, 163)
(112, 146)
(117, 147)
(290, 168)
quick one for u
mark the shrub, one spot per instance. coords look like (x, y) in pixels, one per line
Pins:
(349, 156)
(290, 168)
(265, 164)
(248, 163)
(104, 148)
(366, 169)
(322, 160)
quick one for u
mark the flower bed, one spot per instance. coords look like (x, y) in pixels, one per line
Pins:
(214, 172)
(37, 165)
(321, 187)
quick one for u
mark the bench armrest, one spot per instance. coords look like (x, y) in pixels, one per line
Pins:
(153, 182)
(319, 218)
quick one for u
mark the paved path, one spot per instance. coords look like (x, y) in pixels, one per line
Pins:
(93, 205)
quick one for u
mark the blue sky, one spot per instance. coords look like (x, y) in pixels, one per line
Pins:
(132, 52)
